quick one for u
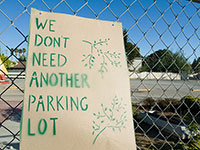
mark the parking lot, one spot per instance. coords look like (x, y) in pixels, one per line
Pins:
(161, 89)
(141, 89)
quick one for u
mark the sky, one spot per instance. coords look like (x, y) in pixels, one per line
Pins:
(151, 25)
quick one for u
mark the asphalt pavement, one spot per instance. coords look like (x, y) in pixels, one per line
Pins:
(11, 97)
(13, 91)
(161, 89)
(7, 132)
(141, 89)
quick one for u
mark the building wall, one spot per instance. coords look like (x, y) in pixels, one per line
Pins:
(136, 65)
(155, 76)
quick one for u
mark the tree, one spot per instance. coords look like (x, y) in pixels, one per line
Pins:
(7, 63)
(23, 50)
(196, 65)
(165, 61)
(158, 61)
(23, 58)
(197, 1)
(20, 52)
(16, 52)
(11, 50)
(132, 50)
(180, 63)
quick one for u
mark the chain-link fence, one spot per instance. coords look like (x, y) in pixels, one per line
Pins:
(162, 43)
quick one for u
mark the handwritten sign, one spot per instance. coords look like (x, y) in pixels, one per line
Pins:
(77, 92)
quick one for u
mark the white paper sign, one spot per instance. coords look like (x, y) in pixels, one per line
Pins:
(77, 94)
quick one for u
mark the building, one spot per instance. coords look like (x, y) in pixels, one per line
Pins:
(19, 67)
(136, 64)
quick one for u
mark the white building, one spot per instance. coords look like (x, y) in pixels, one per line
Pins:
(136, 64)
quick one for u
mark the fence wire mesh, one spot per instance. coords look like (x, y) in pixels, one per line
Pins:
(162, 43)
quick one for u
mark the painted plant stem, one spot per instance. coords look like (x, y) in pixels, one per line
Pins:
(98, 135)
(113, 117)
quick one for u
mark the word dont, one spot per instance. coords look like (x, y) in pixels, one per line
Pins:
(49, 41)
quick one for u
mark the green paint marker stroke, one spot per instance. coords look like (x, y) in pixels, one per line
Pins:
(98, 51)
(113, 118)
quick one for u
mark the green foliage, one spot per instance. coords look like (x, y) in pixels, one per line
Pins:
(169, 104)
(165, 105)
(157, 61)
(189, 107)
(149, 103)
(191, 103)
(164, 60)
(197, 1)
(181, 63)
(194, 141)
(132, 50)
(196, 65)
(20, 53)
(22, 58)
(7, 63)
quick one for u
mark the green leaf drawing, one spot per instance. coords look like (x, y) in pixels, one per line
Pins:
(98, 51)
(113, 118)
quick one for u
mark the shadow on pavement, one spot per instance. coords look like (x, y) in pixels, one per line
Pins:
(13, 115)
